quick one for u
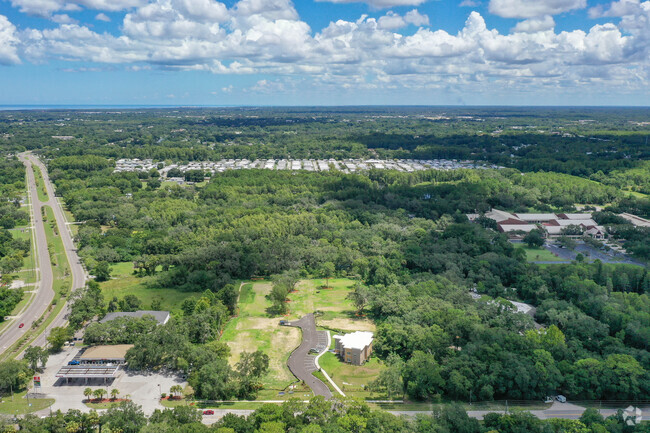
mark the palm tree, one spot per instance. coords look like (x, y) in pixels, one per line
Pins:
(176, 390)
(88, 393)
(114, 393)
(99, 393)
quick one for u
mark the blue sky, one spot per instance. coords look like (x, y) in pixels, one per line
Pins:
(328, 52)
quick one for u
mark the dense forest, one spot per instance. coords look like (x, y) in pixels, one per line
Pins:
(404, 237)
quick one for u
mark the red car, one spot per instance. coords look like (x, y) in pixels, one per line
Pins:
(21, 325)
(208, 412)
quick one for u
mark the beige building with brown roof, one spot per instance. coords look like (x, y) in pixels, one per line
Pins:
(354, 348)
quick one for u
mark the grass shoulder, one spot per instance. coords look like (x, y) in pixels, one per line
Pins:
(19, 405)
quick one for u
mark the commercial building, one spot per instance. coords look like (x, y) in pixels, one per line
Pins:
(96, 362)
(354, 348)
(161, 316)
(552, 225)
(109, 354)
(88, 371)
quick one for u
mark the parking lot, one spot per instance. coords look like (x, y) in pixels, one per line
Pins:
(143, 388)
(591, 254)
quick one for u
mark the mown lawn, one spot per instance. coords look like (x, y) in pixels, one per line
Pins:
(538, 254)
(124, 282)
(352, 378)
(20, 406)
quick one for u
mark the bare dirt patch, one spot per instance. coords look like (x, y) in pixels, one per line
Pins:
(284, 341)
(345, 324)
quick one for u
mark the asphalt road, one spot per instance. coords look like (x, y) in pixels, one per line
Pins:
(77, 270)
(301, 363)
(44, 293)
(557, 410)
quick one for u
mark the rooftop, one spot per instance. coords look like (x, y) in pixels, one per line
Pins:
(117, 351)
(161, 316)
(355, 340)
(536, 216)
(87, 371)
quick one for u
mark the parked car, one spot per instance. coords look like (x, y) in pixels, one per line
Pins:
(208, 412)
(561, 398)
(74, 362)
(21, 325)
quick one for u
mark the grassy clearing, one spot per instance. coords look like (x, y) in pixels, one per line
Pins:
(19, 405)
(254, 329)
(538, 254)
(124, 282)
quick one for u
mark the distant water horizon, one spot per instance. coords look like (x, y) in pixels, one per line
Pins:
(46, 107)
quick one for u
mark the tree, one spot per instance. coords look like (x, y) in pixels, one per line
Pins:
(214, 381)
(251, 367)
(114, 393)
(278, 297)
(422, 376)
(99, 393)
(13, 375)
(127, 417)
(534, 238)
(390, 379)
(88, 392)
(57, 338)
(326, 271)
(360, 296)
(130, 303)
(102, 271)
(32, 356)
(176, 390)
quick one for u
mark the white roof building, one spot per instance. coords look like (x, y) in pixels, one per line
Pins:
(499, 215)
(356, 340)
(538, 217)
(575, 216)
(506, 228)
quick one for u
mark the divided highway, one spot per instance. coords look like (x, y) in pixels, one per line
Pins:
(45, 293)
(76, 268)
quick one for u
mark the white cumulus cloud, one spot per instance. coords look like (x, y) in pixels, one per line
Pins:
(268, 37)
(616, 9)
(533, 8)
(534, 25)
(380, 3)
(8, 42)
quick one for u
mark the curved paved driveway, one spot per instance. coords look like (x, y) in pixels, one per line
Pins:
(301, 363)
